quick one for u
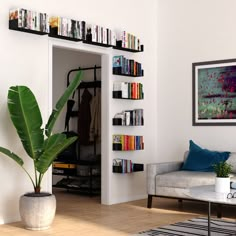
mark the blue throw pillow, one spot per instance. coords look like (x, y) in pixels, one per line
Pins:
(200, 159)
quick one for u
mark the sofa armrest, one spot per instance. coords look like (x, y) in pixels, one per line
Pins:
(155, 169)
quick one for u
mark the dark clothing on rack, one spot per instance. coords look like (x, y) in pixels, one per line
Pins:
(84, 118)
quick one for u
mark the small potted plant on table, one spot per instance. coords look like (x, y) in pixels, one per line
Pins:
(222, 182)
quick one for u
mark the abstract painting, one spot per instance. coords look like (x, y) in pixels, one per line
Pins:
(214, 92)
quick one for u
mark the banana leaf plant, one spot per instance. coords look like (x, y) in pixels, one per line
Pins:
(41, 145)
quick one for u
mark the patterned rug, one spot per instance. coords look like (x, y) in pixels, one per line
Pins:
(196, 226)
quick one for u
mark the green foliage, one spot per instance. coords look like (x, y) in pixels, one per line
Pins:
(222, 169)
(26, 117)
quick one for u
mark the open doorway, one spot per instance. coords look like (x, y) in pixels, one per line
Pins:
(78, 168)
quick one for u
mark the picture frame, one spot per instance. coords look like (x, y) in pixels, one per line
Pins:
(214, 93)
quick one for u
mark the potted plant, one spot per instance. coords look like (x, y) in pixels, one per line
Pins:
(37, 209)
(222, 182)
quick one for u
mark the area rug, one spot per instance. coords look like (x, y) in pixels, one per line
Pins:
(197, 226)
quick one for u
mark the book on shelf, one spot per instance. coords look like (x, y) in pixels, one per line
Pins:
(31, 20)
(128, 90)
(129, 117)
(129, 40)
(126, 166)
(124, 66)
(67, 27)
(127, 142)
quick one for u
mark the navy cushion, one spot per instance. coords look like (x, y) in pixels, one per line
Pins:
(200, 159)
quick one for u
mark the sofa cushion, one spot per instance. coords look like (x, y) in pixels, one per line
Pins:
(185, 179)
(200, 159)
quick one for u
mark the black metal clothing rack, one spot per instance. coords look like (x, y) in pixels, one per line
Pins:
(90, 84)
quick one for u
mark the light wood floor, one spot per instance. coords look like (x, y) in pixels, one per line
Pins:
(81, 215)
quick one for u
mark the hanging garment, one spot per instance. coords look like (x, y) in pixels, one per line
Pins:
(95, 126)
(84, 118)
(70, 104)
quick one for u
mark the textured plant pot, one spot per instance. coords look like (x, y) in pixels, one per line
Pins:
(222, 185)
(37, 211)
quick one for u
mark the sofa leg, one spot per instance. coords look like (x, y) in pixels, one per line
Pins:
(219, 210)
(149, 203)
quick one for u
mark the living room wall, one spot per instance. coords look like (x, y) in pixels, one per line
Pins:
(25, 60)
(190, 31)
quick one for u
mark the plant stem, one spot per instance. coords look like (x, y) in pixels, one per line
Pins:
(29, 176)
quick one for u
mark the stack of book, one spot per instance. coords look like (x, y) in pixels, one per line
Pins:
(127, 40)
(124, 66)
(99, 34)
(129, 117)
(31, 20)
(123, 142)
(126, 166)
(128, 90)
(67, 27)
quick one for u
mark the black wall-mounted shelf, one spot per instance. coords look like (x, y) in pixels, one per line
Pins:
(118, 47)
(128, 75)
(118, 147)
(118, 122)
(118, 95)
(97, 44)
(136, 168)
(13, 25)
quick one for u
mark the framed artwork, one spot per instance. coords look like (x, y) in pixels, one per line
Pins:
(214, 92)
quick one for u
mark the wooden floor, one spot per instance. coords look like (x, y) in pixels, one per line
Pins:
(81, 215)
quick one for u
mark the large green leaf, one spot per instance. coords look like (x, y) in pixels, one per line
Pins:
(61, 102)
(12, 156)
(26, 117)
(55, 145)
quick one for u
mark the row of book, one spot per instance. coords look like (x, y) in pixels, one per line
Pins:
(99, 34)
(67, 27)
(123, 142)
(124, 66)
(131, 90)
(129, 117)
(71, 28)
(130, 41)
(126, 166)
(30, 19)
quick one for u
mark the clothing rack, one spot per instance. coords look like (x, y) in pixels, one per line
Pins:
(83, 85)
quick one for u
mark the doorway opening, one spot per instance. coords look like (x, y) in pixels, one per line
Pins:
(78, 169)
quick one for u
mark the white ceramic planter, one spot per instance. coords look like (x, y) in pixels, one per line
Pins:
(222, 185)
(37, 212)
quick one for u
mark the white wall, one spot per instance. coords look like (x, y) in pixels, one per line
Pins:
(190, 31)
(25, 60)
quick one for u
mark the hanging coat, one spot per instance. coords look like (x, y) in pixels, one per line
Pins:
(84, 118)
(95, 126)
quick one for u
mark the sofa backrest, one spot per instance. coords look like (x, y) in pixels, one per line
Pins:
(232, 161)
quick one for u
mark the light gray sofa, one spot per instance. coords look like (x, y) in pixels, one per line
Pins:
(167, 180)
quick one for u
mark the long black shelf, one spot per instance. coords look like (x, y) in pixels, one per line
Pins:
(128, 49)
(13, 25)
(63, 37)
(97, 44)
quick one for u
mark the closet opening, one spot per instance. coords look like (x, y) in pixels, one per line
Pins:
(78, 169)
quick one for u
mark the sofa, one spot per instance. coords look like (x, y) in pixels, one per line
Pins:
(168, 180)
